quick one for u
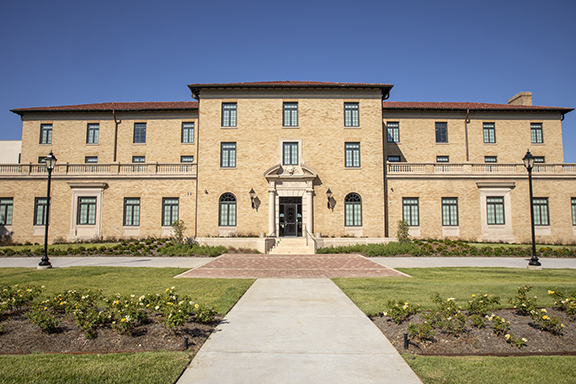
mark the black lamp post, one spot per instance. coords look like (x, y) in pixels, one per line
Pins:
(529, 164)
(44, 261)
(329, 197)
(252, 196)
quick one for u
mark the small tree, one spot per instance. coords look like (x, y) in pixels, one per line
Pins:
(179, 228)
(403, 233)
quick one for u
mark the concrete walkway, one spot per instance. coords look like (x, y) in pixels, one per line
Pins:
(297, 331)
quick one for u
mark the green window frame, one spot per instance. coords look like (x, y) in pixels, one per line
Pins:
(541, 211)
(353, 210)
(40, 210)
(6, 210)
(187, 132)
(45, 133)
(393, 130)
(170, 208)
(441, 132)
(139, 133)
(411, 211)
(495, 210)
(131, 211)
(86, 210)
(290, 114)
(536, 135)
(92, 133)
(573, 211)
(290, 153)
(352, 155)
(450, 211)
(351, 115)
(227, 210)
(489, 130)
(228, 155)
(229, 114)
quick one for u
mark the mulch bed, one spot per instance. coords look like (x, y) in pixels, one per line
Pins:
(19, 336)
(484, 341)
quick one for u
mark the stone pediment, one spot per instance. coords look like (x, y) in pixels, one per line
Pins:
(279, 171)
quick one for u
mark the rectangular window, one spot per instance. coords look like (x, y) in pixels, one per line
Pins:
(169, 211)
(352, 155)
(393, 128)
(410, 211)
(228, 155)
(495, 210)
(186, 159)
(41, 159)
(228, 114)
(6, 205)
(574, 211)
(393, 159)
(131, 211)
(86, 211)
(40, 210)
(91, 159)
(46, 134)
(351, 115)
(450, 211)
(489, 132)
(187, 132)
(536, 133)
(541, 214)
(442, 159)
(441, 132)
(490, 159)
(290, 115)
(290, 153)
(139, 133)
(138, 159)
(93, 133)
(539, 159)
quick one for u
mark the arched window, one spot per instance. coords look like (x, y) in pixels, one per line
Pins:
(227, 217)
(353, 210)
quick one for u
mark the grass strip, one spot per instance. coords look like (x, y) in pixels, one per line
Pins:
(490, 370)
(221, 294)
(371, 294)
(121, 368)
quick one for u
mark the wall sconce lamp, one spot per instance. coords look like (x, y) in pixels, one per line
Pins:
(329, 196)
(252, 196)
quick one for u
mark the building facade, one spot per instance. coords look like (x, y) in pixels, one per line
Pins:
(308, 164)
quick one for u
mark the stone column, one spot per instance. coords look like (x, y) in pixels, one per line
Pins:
(309, 211)
(271, 210)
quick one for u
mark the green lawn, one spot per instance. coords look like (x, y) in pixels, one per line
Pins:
(371, 294)
(492, 370)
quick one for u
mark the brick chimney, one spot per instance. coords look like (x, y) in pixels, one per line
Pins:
(522, 98)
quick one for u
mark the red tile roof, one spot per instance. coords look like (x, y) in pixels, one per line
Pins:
(291, 84)
(122, 106)
(443, 106)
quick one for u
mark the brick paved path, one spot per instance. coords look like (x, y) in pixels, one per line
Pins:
(254, 266)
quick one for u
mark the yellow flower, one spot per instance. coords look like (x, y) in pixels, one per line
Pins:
(122, 319)
(550, 292)
(544, 317)
(507, 336)
(196, 306)
(473, 295)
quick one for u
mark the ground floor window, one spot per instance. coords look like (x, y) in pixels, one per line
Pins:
(86, 210)
(410, 210)
(495, 210)
(6, 211)
(132, 211)
(353, 210)
(227, 216)
(450, 211)
(169, 211)
(541, 216)
(574, 211)
(40, 210)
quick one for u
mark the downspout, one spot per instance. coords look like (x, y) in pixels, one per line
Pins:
(197, 126)
(384, 170)
(466, 133)
(116, 122)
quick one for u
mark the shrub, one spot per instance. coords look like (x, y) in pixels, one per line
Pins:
(522, 302)
(18, 296)
(400, 310)
(547, 322)
(566, 301)
(448, 316)
(41, 316)
(179, 228)
(403, 232)
(422, 331)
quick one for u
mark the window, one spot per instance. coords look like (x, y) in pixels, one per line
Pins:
(351, 115)
(187, 132)
(138, 159)
(91, 159)
(46, 134)
(228, 114)
(489, 132)
(186, 159)
(290, 118)
(93, 133)
(393, 128)
(410, 211)
(41, 159)
(393, 159)
(574, 211)
(290, 153)
(40, 210)
(139, 133)
(490, 159)
(536, 133)
(6, 205)
(495, 210)
(227, 216)
(86, 211)
(353, 210)
(450, 211)
(131, 211)
(442, 159)
(441, 132)
(169, 211)
(228, 155)
(539, 159)
(541, 216)
(352, 155)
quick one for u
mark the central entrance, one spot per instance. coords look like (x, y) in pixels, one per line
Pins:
(290, 216)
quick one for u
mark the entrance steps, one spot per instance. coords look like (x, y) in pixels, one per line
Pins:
(292, 246)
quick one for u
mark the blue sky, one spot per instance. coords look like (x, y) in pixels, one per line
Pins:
(76, 52)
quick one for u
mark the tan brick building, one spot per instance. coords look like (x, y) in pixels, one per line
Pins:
(308, 163)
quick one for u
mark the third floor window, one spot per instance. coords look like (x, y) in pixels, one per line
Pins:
(393, 128)
(46, 134)
(187, 132)
(290, 115)
(351, 115)
(441, 132)
(536, 133)
(489, 132)
(139, 133)
(228, 114)
(93, 133)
